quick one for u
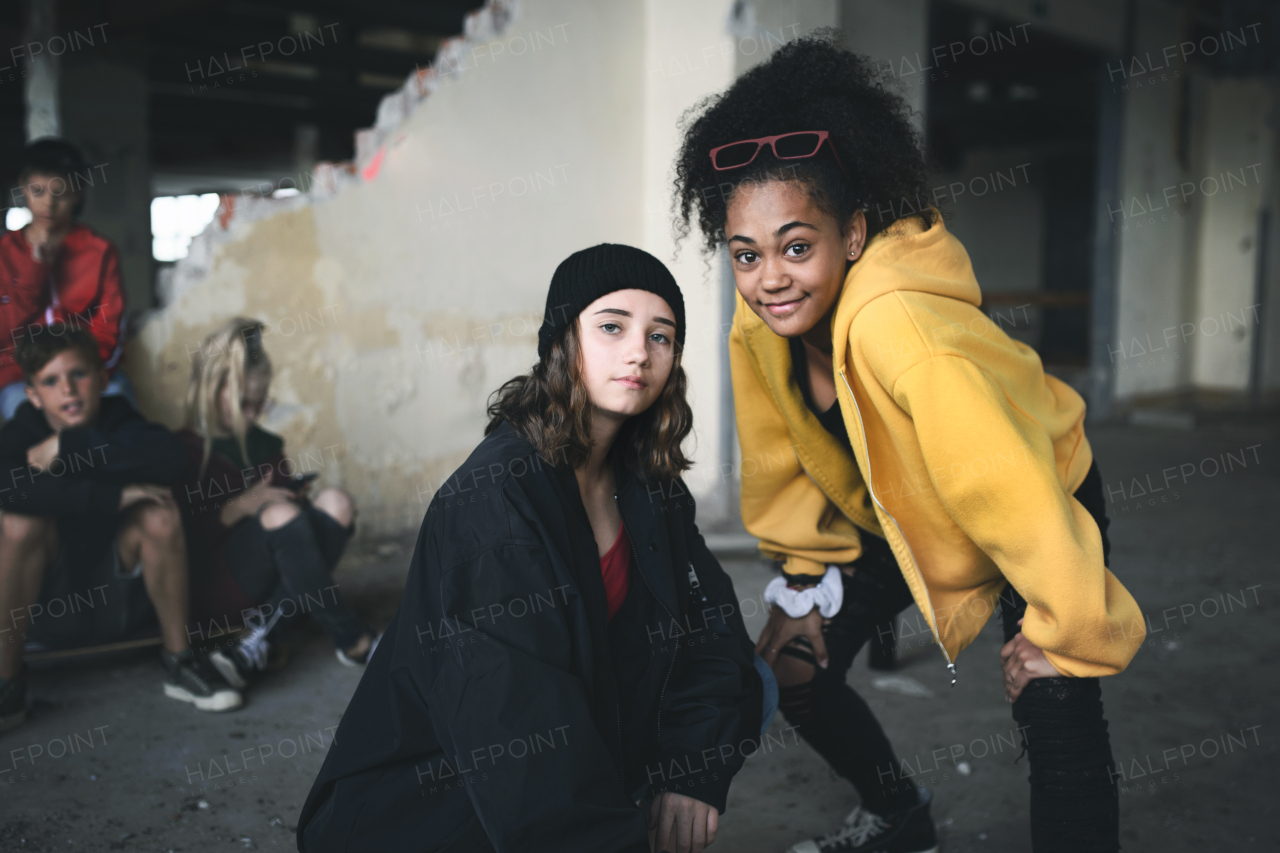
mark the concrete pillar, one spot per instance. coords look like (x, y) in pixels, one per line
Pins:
(1233, 179)
(42, 67)
(715, 43)
(1151, 230)
(1267, 369)
(895, 34)
(761, 26)
(684, 64)
(104, 106)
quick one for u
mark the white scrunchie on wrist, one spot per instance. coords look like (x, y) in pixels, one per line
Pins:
(827, 596)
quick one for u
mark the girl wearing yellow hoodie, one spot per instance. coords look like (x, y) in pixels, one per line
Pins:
(898, 447)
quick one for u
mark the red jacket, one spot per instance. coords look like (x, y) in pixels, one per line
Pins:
(82, 290)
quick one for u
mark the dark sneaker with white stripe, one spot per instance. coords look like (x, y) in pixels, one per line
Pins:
(189, 678)
(241, 662)
(13, 701)
(908, 831)
(249, 655)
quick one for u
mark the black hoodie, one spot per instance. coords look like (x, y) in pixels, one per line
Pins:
(502, 711)
(94, 462)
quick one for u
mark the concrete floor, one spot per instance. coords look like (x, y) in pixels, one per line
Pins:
(1205, 685)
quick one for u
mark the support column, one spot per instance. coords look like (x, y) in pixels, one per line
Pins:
(41, 91)
(1103, 298)
(895, 35)
(105, 107)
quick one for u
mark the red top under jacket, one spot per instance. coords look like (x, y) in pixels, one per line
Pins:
(615, 569)
(81, 289)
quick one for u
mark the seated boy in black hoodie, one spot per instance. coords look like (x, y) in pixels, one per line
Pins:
(82, 502)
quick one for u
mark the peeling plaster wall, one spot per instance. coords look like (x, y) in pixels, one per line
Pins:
(397, 305)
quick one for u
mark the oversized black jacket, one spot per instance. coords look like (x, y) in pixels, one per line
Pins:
(503, 712)
(94, 462)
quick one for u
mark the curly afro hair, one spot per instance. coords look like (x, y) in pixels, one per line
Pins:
(808, 84)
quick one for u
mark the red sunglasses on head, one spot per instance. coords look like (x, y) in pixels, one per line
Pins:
(785, 146)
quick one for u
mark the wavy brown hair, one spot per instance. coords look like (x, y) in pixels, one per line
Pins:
(551, 408)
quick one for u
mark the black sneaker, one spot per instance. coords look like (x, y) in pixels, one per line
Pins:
(248, 657)
(908, 831)
(191, 679)
(13, 701)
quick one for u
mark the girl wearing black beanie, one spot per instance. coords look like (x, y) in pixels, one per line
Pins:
(568, 669)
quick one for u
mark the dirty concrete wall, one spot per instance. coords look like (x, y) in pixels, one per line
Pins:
(896, 37)
(1269, 289)
(689, 54)
(406, 287)
(1197, 157)
(398, 304)
(104, 104)
(1233, 183)
(693, 50)
(1154, 236)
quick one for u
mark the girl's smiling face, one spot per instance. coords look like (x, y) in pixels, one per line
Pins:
(627, 344)
(789, 257)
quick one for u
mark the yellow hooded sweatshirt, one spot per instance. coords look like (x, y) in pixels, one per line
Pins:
(967, 456)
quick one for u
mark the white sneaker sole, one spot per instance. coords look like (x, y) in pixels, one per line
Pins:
(227, 669)
(223, 700)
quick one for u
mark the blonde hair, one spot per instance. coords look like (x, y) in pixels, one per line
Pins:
(227, 358)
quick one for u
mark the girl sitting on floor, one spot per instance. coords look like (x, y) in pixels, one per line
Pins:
(260, 545)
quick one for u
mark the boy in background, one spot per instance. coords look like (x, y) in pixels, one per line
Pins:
(57, 273)
(84, 506)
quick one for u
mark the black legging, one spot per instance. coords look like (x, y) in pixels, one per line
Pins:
(827, 712)
(1074, 806)
(289, 571)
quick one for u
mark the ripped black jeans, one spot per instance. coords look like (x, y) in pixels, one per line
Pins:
(1074, 806)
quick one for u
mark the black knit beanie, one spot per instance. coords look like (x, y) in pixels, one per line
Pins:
(585, 276)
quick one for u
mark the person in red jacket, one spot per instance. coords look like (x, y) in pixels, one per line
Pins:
(56, 273)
